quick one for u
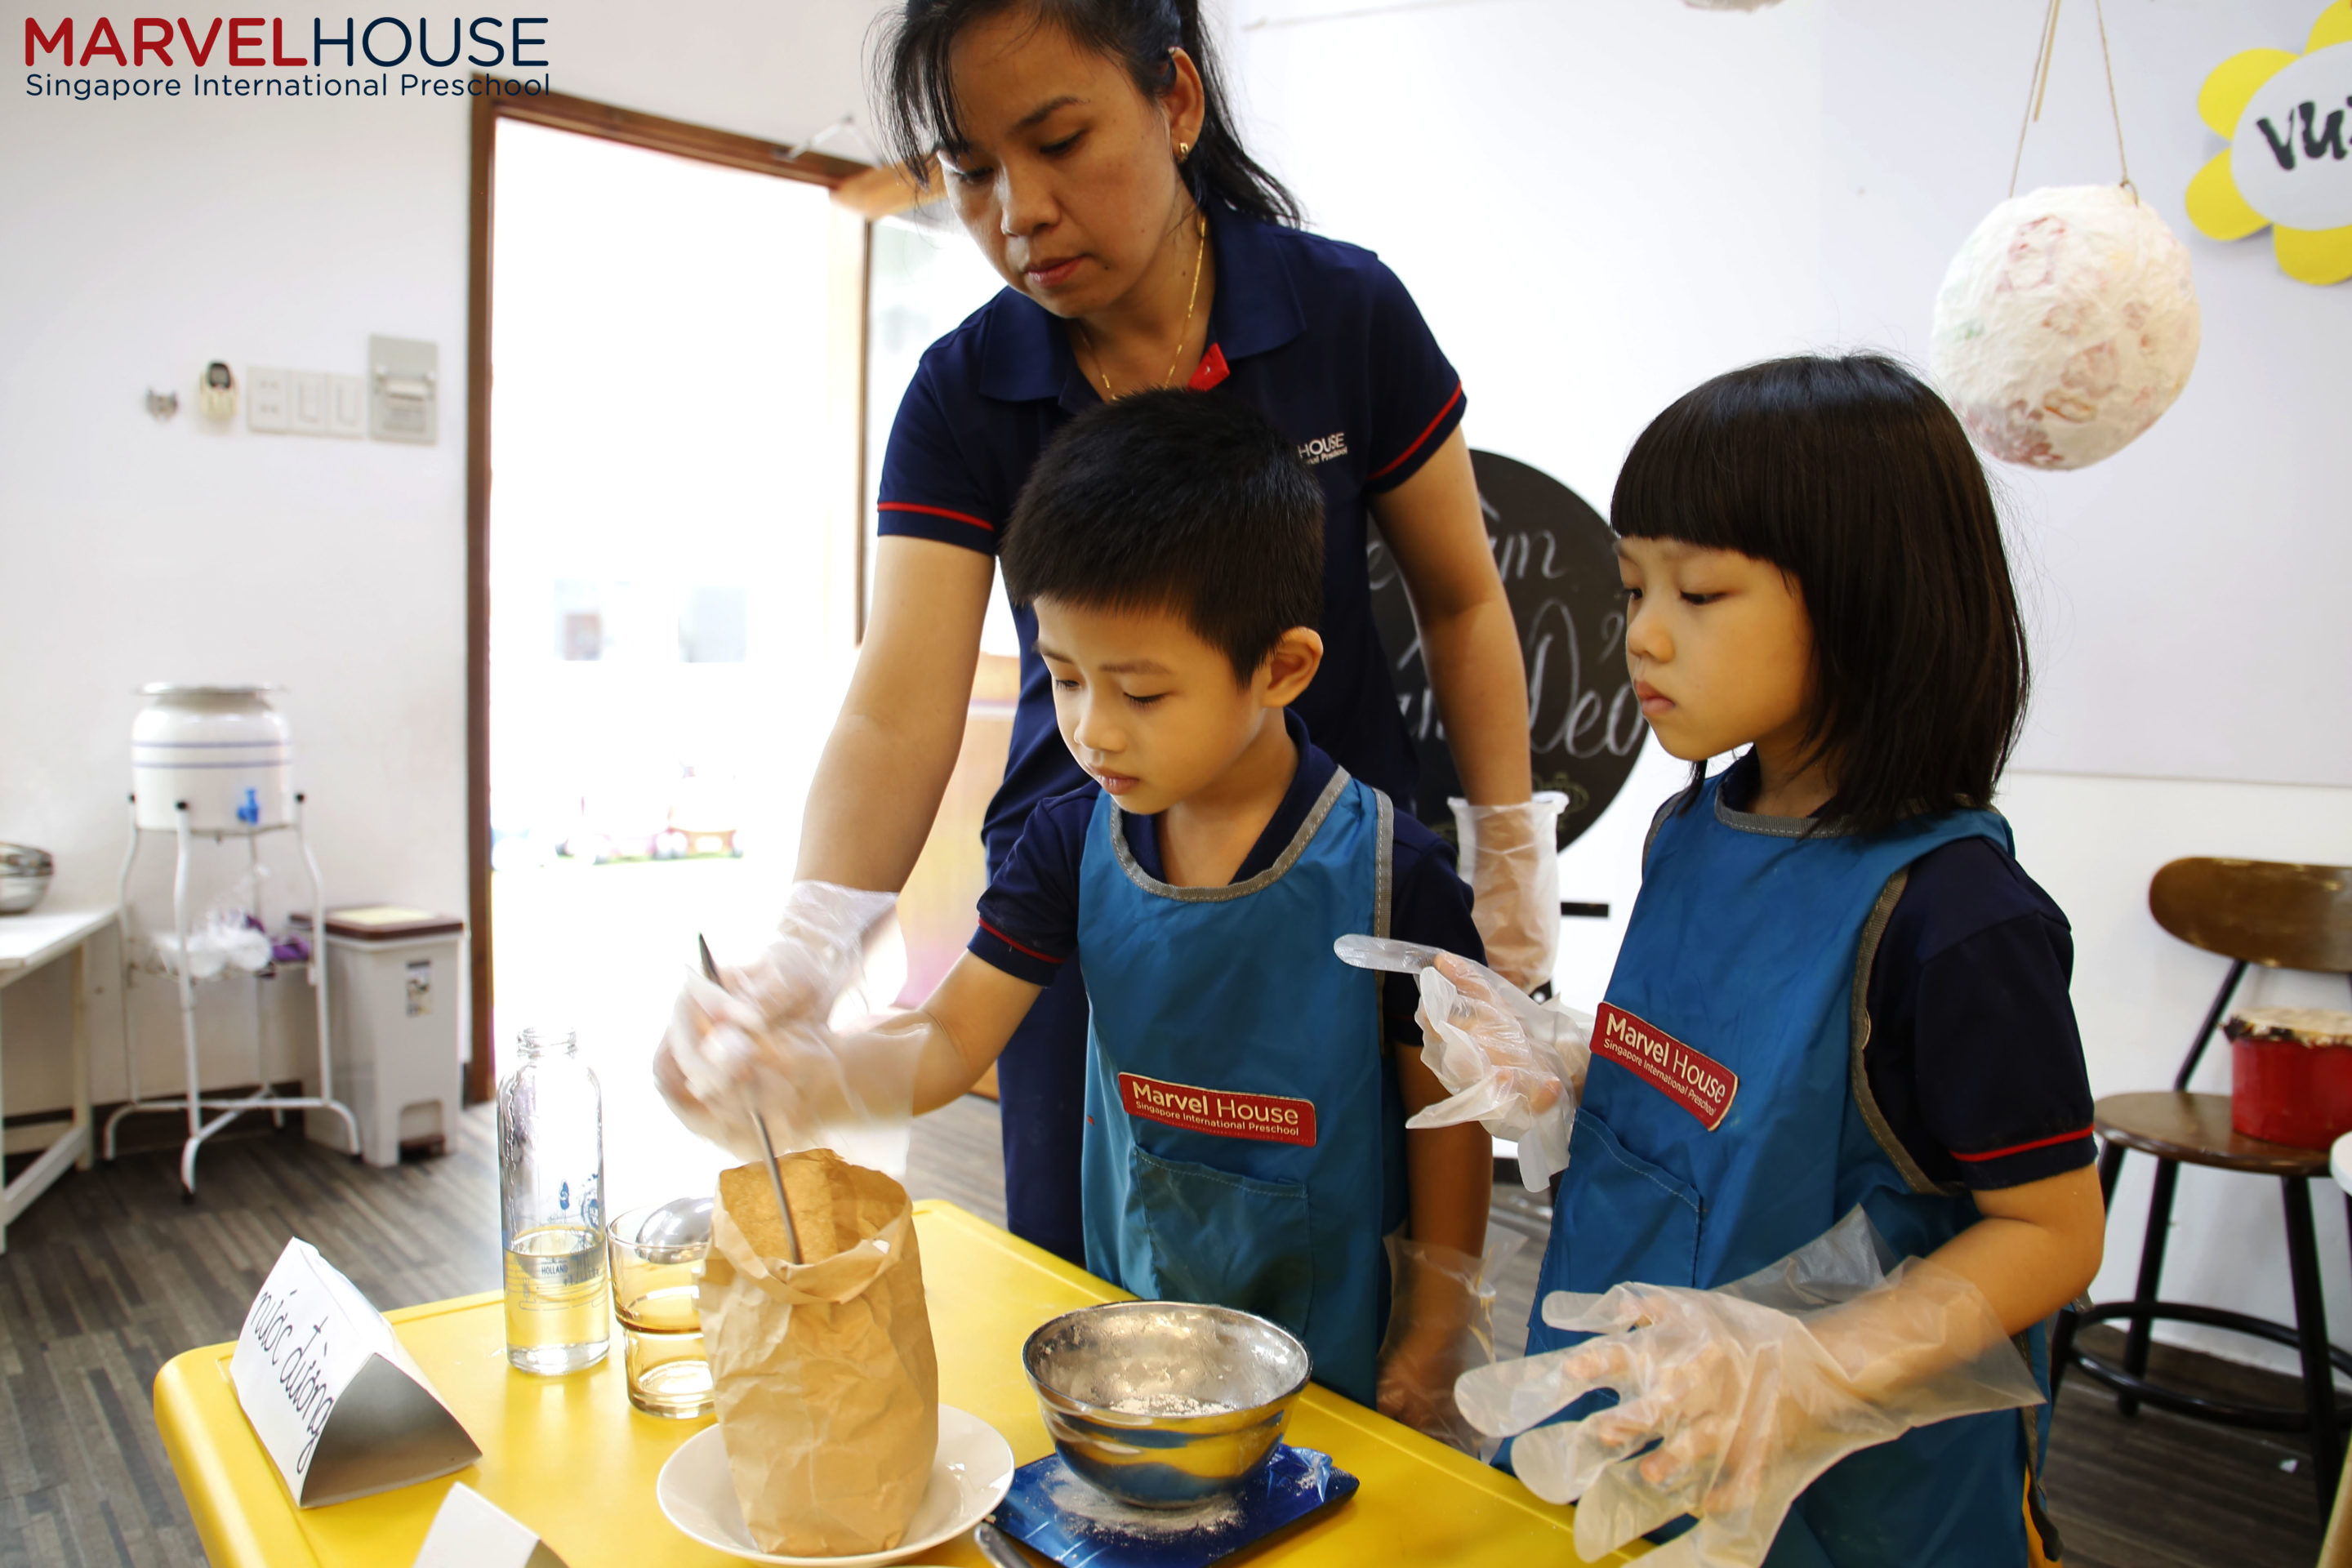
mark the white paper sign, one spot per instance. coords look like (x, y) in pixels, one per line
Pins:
(336, 1400)
(472, 1532)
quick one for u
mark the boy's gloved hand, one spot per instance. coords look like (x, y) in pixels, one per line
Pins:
(762, 1036)
(1733, 1401)
(1440, 1324)
(1513, 1064)
(1511, 860)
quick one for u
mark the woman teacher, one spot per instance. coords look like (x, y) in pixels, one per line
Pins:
(1087, 149)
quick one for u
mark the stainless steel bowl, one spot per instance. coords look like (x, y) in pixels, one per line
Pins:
(24, 874)
(1165, 1403)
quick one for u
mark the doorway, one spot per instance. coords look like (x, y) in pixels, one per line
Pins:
(665, 564)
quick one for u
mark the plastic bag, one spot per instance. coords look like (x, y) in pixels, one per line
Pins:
(1733, 1401)
(229, 935)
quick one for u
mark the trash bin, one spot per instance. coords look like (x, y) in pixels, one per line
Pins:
(392, 976)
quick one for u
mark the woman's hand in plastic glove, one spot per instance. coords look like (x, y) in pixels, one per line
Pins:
(819, 952)
(1515, 883)
(1734, 1401)
(1512, 1064)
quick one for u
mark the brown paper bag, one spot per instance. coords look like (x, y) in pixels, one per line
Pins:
(827, 1386)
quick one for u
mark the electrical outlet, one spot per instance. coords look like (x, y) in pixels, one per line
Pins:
(306, 405)
(347, 406)
(266, 401)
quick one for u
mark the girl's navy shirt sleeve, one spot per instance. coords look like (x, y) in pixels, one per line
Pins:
(1974, 1058)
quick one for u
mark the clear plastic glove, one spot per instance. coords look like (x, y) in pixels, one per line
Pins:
(1513, 1064)
(1511, 860)
(763, 1038)
(1440, 1324)
(721, 1063)
(1734, 1401)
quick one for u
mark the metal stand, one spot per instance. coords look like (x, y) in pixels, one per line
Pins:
(196, 1102)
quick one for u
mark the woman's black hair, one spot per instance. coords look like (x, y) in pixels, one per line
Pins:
(916, 87)
(1856, 481)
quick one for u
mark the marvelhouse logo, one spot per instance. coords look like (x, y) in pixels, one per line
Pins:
(272, 56)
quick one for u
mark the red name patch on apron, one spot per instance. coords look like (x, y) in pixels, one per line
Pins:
(1221, 1114)
(1692, 1079)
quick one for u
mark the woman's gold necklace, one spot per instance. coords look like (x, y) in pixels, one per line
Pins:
(1200, 248)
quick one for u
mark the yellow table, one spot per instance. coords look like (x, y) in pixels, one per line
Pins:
(572, 1460)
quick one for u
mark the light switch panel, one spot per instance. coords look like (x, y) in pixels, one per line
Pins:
(266, 401)
(347, 410)
(404, 390)
(306, 403)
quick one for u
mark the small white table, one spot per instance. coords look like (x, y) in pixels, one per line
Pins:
(28, 943)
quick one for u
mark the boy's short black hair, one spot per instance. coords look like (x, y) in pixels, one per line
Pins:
(1175, 500)
(1857, 481)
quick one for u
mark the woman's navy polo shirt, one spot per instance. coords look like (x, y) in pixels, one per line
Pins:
(1319, 337)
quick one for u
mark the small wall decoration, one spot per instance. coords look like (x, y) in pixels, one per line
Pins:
(2068, 322)
(2288, 167)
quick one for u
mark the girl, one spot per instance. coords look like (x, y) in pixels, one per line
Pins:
(1838, 987)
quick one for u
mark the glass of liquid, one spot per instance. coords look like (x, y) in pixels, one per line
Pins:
(551, 1207)
(656, 1257)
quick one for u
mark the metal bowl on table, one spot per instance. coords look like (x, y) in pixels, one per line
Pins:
(24, 874)
(1165, 1405)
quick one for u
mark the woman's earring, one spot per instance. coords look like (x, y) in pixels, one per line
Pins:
(1183, 150)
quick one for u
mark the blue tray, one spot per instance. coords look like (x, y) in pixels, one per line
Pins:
(1051, 1510)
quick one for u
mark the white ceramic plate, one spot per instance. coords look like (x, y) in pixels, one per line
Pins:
(970, 1476)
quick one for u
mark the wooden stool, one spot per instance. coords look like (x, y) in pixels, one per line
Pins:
(2279, 916)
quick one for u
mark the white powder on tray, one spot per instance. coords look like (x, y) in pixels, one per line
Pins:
(1103, 1513)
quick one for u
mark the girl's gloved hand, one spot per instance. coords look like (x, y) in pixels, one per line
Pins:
(1440, 1324)
(1733, 1401)
(1510, 859)
(1513, 1064)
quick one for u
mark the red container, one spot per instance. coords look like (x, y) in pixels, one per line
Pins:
(2286, 1091)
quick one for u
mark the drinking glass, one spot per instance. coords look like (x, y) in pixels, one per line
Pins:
(656, 1266)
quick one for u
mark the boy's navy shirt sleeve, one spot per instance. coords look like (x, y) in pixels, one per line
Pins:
(1974, 1058)
(1029, 915)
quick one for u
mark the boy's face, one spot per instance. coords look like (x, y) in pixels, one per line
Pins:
(1152, 710)
(1719, 646)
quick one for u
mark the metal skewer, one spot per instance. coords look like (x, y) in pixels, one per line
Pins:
(767, 1146)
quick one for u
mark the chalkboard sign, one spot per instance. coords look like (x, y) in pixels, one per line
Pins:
(1559, 564)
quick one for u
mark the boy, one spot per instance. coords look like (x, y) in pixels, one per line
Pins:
(1244, 1139)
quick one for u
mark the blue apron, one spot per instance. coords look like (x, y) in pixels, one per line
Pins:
(1244, 1139)
(1728, 1122)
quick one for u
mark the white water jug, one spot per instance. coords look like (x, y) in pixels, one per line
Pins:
(221, 749)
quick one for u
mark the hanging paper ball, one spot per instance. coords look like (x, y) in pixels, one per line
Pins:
(2066, 324)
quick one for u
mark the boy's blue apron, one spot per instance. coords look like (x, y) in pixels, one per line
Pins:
(1728, 1122)
(1245, 1140)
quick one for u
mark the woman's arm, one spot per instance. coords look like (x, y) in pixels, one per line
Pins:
(892, 748)
(1468, 640)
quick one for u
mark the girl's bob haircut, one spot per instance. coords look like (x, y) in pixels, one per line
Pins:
(1855, 479)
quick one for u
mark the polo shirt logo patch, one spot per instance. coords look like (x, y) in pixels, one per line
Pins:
(1221, 1113)
(1323, 448)
(1692, 1079)
(1211, 371)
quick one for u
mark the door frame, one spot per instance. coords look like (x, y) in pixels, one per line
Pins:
(864, 190)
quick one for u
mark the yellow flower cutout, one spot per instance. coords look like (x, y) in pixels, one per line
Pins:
(2289, 163)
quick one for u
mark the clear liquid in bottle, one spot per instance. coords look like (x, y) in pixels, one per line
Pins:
(550, 1208)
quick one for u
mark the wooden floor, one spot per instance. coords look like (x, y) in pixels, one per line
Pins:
(110, 1274)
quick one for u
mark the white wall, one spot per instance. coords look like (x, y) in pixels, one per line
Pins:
(1598, 206)
(140, 239)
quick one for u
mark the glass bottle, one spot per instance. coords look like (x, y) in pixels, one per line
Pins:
(552, 1206)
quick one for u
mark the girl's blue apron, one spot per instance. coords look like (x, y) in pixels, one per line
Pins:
(1245, 1140)
(1727, 1120)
